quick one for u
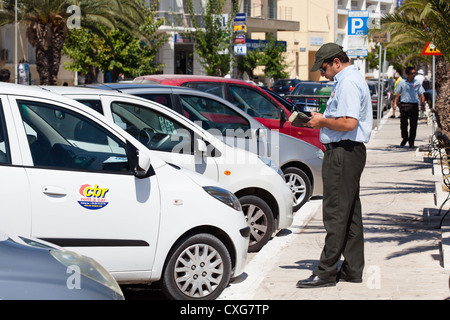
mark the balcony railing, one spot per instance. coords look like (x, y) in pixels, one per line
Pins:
(174, 19)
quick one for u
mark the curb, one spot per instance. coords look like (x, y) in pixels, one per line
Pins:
(244, 287)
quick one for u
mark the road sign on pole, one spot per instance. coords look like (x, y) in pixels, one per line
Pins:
(240, 49)
(358, 22)
(431, 50)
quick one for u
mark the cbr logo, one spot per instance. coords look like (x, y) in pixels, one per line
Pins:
(92, 198)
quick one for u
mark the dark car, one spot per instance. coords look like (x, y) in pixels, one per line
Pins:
(31, 269)
(284, 86)
(282, 100)
(305, 96)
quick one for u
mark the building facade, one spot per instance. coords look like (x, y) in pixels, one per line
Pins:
(303, 24)
(178, 54)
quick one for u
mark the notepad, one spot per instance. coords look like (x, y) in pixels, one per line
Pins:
(299, 119)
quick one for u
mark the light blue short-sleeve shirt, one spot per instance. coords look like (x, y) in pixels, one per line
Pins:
(350, 98)
(409, 91)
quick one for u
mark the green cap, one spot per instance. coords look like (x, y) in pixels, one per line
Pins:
(326, 51)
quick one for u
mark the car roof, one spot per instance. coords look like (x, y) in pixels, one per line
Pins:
(179, 79)
(119, 86)
(45, 92)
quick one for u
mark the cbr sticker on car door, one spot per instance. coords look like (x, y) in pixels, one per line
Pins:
(92, 197)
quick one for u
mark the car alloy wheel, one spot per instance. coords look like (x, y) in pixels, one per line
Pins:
(299, 184)
(199, 268)
(260, 219)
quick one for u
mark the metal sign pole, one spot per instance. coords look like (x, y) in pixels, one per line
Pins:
(433, 93)
(379, 86)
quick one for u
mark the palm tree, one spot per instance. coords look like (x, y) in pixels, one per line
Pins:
(46, 22)
(416, 23)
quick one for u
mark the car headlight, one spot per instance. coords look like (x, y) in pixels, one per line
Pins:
(272, 164)
(88, 268)
(224, 196)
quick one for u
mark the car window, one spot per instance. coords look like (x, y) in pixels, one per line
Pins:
(5, 156)
(307, 89)
(95, 104)
(163, 99)
(215, 88)
(155, 130)
(373, 89)
(253, 103)
(211, 114)
(63, 139)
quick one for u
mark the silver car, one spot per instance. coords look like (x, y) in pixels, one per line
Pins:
(300, 162)
(31, 269)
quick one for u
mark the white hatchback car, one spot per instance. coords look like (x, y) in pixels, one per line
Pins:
(263, 193)
(98, 191)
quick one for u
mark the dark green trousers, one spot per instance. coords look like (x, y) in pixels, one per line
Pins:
(342, 217)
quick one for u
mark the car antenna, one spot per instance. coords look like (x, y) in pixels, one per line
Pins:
(115, 89)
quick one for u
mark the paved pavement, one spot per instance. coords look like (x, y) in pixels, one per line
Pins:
(403, 244)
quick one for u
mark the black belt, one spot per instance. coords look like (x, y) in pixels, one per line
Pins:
(414, 103)
(342, 143)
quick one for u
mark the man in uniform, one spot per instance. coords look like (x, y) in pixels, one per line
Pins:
(409, 92)
(344, 127)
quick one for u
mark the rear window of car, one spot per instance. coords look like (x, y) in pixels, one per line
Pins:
(308, 89)
(163, 99)
(217, 89)
(93, 104)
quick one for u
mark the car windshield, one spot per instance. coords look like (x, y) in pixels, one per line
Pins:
(373, 89)
(308, 88)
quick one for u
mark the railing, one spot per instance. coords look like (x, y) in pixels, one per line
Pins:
(178, 19)
(440, 150)
(311, 103)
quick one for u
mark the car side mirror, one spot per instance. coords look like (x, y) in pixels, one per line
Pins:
(259, 132)
(200, 146)
(283, 116)
(139, 162)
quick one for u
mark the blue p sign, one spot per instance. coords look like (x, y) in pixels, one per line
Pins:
(358, 22)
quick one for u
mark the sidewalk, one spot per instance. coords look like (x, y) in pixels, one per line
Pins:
(403, 244)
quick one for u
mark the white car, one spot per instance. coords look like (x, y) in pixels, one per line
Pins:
(100, 192)
(300, 161)
(263, 193)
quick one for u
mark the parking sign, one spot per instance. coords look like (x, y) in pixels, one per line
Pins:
(358, 22)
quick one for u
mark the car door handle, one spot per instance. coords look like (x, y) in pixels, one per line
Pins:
(54, 191)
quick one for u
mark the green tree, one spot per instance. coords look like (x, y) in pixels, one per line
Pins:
(274, 59)
(213, 43)
(47, 25)
(116, 50)
(398, 56)
(249, 62)
(414, 24)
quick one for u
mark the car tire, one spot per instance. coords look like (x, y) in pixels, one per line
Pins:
(260, 219)
(300, 185)
(198, 268)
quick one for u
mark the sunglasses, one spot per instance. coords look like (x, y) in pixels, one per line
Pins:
(323, 70)
(412, 73)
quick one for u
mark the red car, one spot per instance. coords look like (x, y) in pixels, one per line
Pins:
(252, 99)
